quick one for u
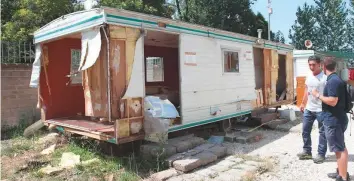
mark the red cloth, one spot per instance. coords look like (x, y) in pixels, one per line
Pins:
(351, 74)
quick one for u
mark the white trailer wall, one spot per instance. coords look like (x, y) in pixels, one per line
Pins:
(206, 88)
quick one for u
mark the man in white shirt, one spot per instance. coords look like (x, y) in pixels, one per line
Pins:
(312, 109)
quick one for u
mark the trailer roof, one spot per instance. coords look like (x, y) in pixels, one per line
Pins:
(79, 21)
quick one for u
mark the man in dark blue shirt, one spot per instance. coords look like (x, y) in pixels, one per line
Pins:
(335, 119)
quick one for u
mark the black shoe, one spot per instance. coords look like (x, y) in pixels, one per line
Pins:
(333, 175)
(319, 159)
(304, 156)
(339, 178)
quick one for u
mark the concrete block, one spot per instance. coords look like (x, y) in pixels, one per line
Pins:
(288, 114)
(206, 157)
(193, 162)
(182, 146)
(187, 164)
(164, 175)
(219, 151)
(180, 156)
(196, 141)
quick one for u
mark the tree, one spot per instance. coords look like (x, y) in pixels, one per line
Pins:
(22, 17)
(304, 28)
(333, 23)
(229, 15)
(154, 7)
(277, 37)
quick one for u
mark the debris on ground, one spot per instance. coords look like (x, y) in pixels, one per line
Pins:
(48, 150)
(69, 160)
(49, 170)
(50, 138)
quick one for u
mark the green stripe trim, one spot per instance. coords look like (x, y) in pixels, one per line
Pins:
(305, 54)
(212, 120)
(70, 26)
(117, 21)
(131, 19)
(187, 29)
(234, 38)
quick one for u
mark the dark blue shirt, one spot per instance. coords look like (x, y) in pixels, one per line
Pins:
(335, 87)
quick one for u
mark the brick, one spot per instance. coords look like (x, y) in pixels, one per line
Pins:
(219, 151)
(180, 156)
(182, 146)
(196, 141)
(187, 164)
(193, 162)
(206, 157)
(164, 175)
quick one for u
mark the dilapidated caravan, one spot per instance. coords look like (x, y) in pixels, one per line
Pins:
(94, 68)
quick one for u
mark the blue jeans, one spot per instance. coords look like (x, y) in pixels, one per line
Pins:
(309, 119)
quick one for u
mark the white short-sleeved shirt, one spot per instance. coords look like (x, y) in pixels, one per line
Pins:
(315, 82)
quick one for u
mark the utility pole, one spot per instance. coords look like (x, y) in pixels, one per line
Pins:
(270, 11)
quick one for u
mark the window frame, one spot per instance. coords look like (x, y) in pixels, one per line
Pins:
(163, 69)
(232, 50)
(74, 77)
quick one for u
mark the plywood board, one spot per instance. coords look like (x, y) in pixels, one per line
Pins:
(274, 75)
(267, 75)
(289, 77)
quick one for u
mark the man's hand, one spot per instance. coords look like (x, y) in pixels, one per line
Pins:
(315, 92)
(302, 107)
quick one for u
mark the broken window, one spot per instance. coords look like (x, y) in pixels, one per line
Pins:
(231, 61)
(75, 77)
(154, 69)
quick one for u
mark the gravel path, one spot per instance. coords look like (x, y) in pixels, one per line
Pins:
(283, 147)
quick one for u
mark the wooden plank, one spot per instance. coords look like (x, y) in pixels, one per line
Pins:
(267, 75)
(274, 75)
(289, 77)
(95, 135)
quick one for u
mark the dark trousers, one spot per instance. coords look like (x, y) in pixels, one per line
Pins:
(309, 119)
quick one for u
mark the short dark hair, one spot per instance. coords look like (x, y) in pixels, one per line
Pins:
(315, 58)
(330, 63)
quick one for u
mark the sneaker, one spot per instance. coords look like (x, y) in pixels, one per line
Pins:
(304, 156)
(333, 175)
(339, 178)
(319, 159)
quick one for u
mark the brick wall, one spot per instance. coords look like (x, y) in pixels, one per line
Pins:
(18, 100)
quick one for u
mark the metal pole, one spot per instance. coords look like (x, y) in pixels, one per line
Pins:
(8, 52)
(30, 51)
(24, 50)
(19, 51)
(108, 78)
(269, 26)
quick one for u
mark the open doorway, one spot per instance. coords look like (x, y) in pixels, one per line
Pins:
(281, 83)
(162, 66)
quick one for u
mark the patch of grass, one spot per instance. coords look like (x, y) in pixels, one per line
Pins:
(266, 166)
(16, 146)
